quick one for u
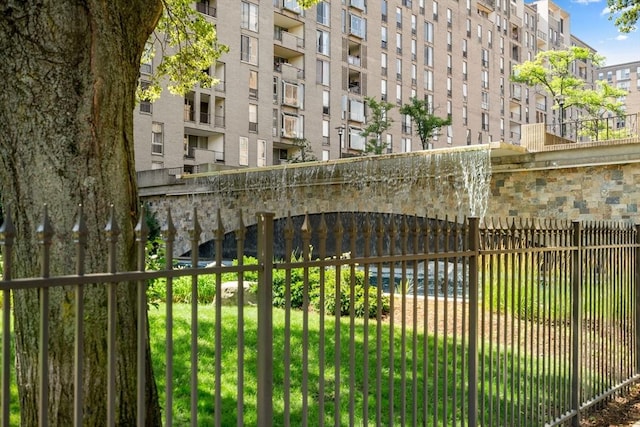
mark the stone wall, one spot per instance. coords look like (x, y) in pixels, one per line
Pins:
(588, 184)
(603, 192)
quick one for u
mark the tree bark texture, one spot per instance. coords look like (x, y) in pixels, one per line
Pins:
(69, 69)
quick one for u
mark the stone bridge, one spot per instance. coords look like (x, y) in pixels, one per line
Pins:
(578, 181)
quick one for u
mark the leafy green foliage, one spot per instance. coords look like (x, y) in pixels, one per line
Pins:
(188, 45)
(624, 13)
(206, 284)
(377, 123)
(427, 124)
(552, 70)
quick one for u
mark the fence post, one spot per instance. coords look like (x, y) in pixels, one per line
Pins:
(472, 356)
(636, 290)
(576, 321)
(265, 325)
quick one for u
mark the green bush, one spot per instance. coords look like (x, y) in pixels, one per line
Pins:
(345, 296)
(207, 285)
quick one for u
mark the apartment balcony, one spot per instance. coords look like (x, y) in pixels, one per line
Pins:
(487, 6)
(288, 71)
(288, 40)
(202, 156)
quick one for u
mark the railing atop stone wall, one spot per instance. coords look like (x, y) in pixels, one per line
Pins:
(581, 133)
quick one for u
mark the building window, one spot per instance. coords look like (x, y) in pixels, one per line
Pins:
(405, 145)
(322, 72)
(428, 56)
(435, 11)
(146, 63)
(383, 63)
(485, 123)
(253, 118)
(323, 13)
(325, 132)
(249, 16)
(157, 138)
(290, 94)
(399, 43)
(145, 105)
(356, 110)
(358, 26)
(406, 124)
(356, 140)
(249, 49)
(290, 126)
(325, 102)
(243, 151)
(428, 32)
(428, 80)
(484, 100)
(383, 37)
(323, 42)
(253, 84)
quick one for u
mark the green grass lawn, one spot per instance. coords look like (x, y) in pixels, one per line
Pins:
(444, 356)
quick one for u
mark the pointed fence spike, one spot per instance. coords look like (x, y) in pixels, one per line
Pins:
(353, 226)
(45, 229)
(306, 225)
(169, 229)
(323, 230)
(196, 229)
(288, 227)
(338, 228)
(80, 228)
(241, 230)
(142, 228)
(112, 230)
(219, 230)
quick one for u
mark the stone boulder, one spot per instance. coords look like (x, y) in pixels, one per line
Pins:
(229, 292)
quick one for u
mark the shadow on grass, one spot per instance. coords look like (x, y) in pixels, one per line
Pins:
(389, 385)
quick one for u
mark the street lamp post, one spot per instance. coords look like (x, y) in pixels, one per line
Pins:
(340, 133)
(561, 105)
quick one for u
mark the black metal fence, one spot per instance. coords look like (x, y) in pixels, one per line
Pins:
(403, 322)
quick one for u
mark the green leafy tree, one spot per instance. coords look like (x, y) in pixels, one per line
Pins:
(624, 13)
(377, 123)
(552, 71)
(427, 124)
(304, 153)
(71, 70)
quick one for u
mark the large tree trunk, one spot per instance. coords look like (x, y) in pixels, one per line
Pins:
(69, 70)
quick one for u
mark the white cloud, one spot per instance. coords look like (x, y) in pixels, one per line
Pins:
(605, 11)
(585, 1)
(621, 37)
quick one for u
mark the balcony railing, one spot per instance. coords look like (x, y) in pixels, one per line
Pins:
(206, 9)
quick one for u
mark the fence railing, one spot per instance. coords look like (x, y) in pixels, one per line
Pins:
(385, 320)
(595, 129)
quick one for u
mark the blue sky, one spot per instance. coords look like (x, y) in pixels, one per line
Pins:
(590, 23)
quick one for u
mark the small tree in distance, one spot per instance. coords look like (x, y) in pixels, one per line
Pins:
(427, 124)
(378, 123)
(552, 70)
(304, 153)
